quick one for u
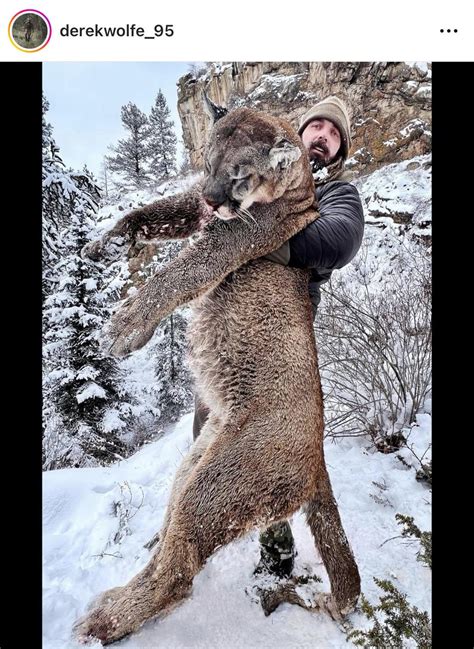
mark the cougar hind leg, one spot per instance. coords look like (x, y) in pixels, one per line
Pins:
(185, 469)
(237, 485)
(187, 466)
(324, 521)
(323, 518)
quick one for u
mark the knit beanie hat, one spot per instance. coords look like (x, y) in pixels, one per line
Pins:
(335, 110)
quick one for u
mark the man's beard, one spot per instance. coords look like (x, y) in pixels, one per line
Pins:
(317, 164)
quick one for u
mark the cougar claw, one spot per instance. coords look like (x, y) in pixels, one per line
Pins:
(92, 251)
(108, 248)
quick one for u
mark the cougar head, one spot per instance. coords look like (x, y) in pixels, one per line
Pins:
(251, 158)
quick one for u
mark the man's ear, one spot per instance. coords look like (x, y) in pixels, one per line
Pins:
(283, 153)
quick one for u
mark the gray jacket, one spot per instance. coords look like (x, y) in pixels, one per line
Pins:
(329, 242)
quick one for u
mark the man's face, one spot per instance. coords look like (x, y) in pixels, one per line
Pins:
(322, 141)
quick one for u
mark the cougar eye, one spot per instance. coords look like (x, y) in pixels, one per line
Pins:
(240, 172)
(241, 184)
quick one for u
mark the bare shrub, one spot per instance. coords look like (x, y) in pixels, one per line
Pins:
(374, 342)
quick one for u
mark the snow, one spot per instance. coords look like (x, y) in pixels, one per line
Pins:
(275, 85)
(81, 558)
(87, 372)
(422, 66)
(112, 420)
(90, 284)
(91, 391)
(413, 125)
(424, 91)
(399, 188)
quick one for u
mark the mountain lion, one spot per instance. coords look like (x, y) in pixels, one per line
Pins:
(260, 455)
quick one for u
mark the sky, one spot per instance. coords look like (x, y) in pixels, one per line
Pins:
(85, 101)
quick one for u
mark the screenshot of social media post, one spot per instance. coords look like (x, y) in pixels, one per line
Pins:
(236, 324)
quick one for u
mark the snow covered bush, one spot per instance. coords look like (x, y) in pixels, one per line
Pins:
(395, 622)
(374, 339)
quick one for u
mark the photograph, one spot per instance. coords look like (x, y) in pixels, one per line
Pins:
(236, 353)
(30, 30)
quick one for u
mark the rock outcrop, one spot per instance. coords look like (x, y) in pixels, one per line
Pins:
(390, 103)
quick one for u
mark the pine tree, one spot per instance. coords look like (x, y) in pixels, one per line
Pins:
(131, 161)
(162, 142)
(56, 199)
(85, 406)
(175, 394)
(185, 167)
(395, 622)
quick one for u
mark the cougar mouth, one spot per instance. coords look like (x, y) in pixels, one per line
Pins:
(232, 209)
(225, 213)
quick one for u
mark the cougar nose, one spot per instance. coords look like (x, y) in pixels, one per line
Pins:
(214, 194)
(212, 202)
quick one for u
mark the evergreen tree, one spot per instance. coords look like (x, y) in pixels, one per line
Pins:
(132, 153)
(85, 406)
(185, 167)
(162, 142)
(174, 393)
(56, 199)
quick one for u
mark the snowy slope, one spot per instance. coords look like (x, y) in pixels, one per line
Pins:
(81, 557)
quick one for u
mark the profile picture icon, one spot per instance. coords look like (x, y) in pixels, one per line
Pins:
(29, 30)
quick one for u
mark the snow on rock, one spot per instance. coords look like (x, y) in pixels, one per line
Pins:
(401, 191)
(422, 66)
(86, 552)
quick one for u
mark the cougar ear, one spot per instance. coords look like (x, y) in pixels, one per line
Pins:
(283, 153)
(215, 112)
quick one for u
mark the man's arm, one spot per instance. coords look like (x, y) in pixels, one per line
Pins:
(335, 238)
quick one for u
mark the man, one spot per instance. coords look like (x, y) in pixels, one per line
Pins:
(328, 243)
(28, 28)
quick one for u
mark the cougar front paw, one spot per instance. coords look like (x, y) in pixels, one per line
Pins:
(108, 248)
(129, 328)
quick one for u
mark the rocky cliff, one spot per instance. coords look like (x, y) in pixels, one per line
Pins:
(390, 103)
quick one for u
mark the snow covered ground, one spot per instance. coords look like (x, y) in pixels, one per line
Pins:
(87, 550)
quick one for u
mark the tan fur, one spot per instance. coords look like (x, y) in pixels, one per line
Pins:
(260, 455)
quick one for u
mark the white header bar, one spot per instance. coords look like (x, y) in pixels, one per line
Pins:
(239, 30)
